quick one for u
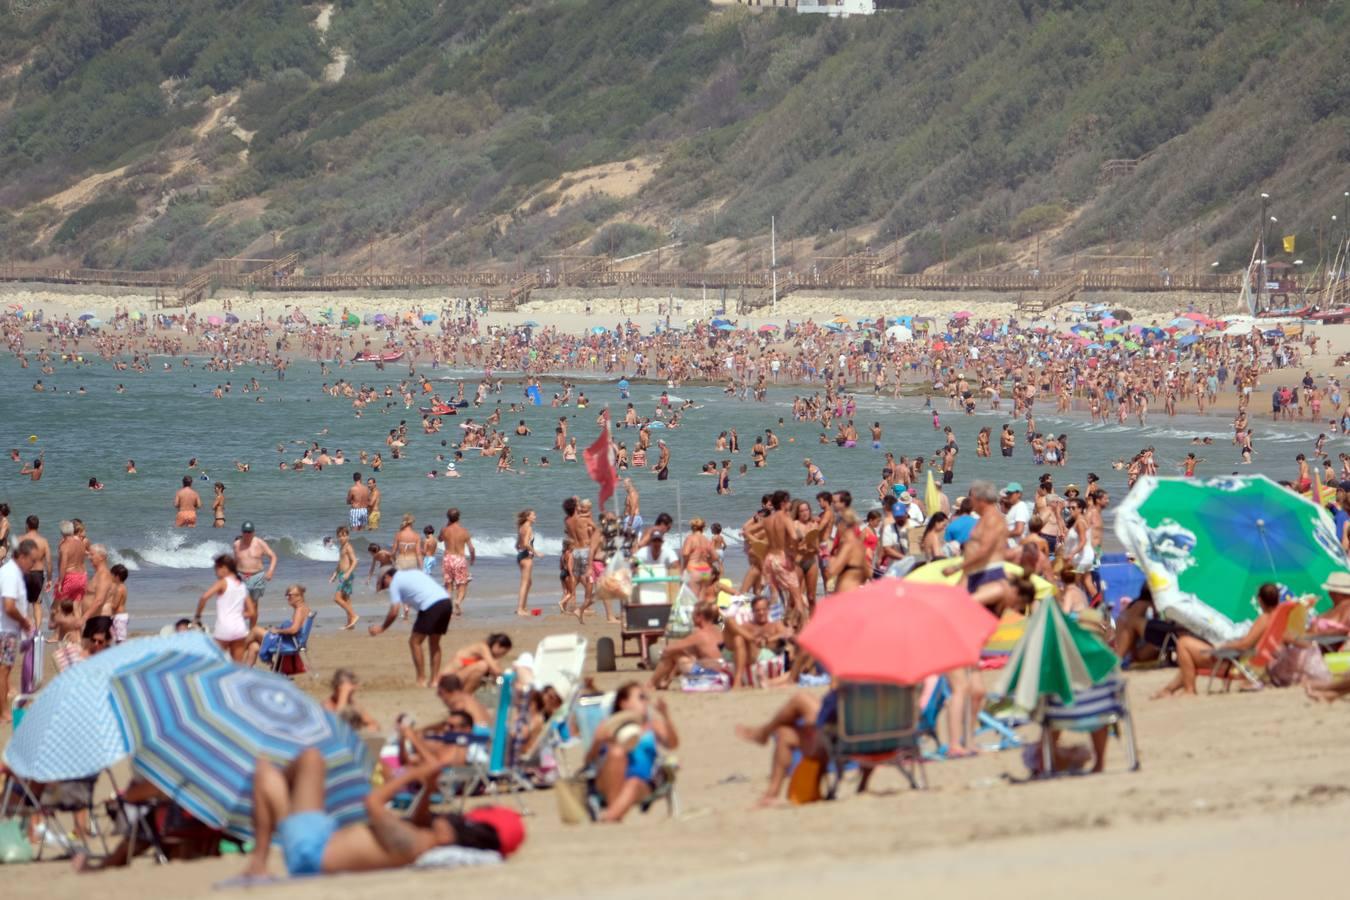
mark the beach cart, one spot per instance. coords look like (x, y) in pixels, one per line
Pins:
(643, 616)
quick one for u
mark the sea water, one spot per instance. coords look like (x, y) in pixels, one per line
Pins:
(165, 418)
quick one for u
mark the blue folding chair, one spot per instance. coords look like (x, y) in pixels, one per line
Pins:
(277, 647)
(985, 723)
(499, 774)
(1102, 706)
(877, 724)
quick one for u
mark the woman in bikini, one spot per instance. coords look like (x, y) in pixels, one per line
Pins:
(807, 530)
(478, 661)
(407, 545)
(525, 557)
(932, 544)
(218, 506)
(848, 567)
(698, 560)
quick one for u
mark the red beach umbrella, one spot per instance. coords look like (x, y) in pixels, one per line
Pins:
(897, 631)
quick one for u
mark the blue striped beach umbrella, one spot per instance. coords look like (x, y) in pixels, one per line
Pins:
(198, 727)
(71, 729)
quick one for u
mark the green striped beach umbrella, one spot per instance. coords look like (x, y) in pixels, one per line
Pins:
(1055, 658)
(1207, 546)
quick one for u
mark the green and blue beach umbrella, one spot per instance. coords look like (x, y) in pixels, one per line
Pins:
(1055, 658)
(1207, 546)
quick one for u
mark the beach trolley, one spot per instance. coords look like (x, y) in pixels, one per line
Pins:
(643, 617)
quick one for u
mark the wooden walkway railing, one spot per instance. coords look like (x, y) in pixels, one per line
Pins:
(73, 275)
(281, 276)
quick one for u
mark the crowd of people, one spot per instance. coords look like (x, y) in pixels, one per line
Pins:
(748, 599)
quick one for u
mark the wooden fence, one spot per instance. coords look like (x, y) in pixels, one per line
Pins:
(281, 276)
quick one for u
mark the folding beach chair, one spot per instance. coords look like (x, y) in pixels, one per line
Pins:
(1103, 706)
(499, 774)
(877, 725)
(559, 660)
(294, 648)
(985, 723)
(1289, 621)
(47, 803)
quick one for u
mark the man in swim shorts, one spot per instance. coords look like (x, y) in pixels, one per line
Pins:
(186, 502)
(982, 558)
(289, 804)
(459, 555)
(358, 504)
(71, 554)
(249, 552)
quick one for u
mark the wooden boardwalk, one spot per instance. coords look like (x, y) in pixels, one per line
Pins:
(857, 273)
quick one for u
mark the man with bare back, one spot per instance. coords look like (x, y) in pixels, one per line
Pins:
(780, 563)
(459, 556)
(186, 502)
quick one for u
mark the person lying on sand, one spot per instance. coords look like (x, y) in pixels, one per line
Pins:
(289, 804)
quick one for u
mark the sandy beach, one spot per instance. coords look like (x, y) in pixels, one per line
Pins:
(1237, 792)
(562, 307)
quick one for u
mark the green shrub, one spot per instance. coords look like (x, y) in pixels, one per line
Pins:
(1037, 218)
(625, 239)
(92, 214)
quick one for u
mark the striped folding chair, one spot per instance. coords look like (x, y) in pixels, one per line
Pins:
(878, 724)
(1103, 706)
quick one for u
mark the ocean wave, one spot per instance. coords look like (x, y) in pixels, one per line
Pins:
(1186, 435)
(306, 548)
(493, 547)
(172, 551)
(115, 557)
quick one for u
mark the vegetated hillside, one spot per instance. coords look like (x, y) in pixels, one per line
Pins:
(150, 133)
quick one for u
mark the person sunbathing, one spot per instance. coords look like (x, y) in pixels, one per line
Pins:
(451, 691)
(1330, 691)
(1194, 654)
(450, 742)
(289, 804)
(626, 750)
(477, 661)
(752, 639)
(702, 647)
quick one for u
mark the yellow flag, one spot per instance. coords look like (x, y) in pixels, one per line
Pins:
(1289, 243)
(932, 497)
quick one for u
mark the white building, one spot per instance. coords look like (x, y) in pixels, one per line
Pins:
(838, 8)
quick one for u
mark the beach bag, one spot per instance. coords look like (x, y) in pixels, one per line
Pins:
(1296, 665)
(14, 846)
(804, 785)
(294, 664)
(570, 794)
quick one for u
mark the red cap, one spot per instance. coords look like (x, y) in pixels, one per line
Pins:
(508, 824)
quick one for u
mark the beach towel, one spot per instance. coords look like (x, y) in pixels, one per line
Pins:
(702, 680)
(30, 677)
(456, 857)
